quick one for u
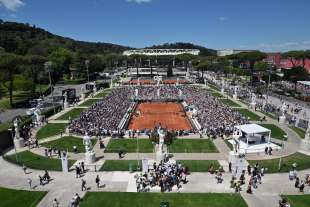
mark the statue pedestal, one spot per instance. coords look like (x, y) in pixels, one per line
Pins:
(19, 143)
(253, 105)
(235, 97)
(90, 157)
(282, 119)
(238, 163)
(305, 145)
(83, 96)
(66, 105)
(222, 90)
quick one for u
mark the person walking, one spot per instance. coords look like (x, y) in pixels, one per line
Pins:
(24, 169)
(83, 187)
(98, 181)
(55, 203)
(29, 181)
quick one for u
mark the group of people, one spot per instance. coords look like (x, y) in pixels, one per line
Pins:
(166, 175)
(105, 116)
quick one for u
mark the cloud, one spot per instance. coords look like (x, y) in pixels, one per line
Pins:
(139, 1)
(281, 47)
(12, 5)
(222, 19)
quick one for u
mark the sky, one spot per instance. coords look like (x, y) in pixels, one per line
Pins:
(267, 25)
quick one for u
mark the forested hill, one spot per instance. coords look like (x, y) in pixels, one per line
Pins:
(180, 45)
(27, 39)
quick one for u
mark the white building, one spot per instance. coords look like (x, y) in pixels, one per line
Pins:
(161, 52)
(226, 52)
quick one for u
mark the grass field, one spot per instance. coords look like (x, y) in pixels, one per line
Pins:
(67, 143)
(301, 132)
(270, 115)
(229, 102)
(120, 165)
(51, 130)
(130, 145)
(199, 165)
(89, 102)
(302, 161)
(249, 114)
(276, 132)
(229, 145)
(298, 200)
(192, 146)
(35, 161)
(217, 95)
(74, 113)
(118, 199)
(103, 94)
(20, 198)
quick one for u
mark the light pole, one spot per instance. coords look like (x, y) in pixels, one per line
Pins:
(47, 66)
(11, 132)
(87, 66)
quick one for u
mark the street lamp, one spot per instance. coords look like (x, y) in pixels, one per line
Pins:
(87, 66)
(11, 132)
(47, 66)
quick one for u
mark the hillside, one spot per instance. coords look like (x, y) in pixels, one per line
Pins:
(23, 38)
(181, 45)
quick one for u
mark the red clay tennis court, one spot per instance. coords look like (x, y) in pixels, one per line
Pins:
(169, 114)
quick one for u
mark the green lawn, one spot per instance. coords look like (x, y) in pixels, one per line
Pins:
(35, 161)
(103, 94)
(199, 165)
(298, 200)
(67, 143)
(51, 130)
(276, 132)
(249, 114)
(130, 145)
(270, 115)
(229, 102)
(192, 146)
(213, 87)
(90, 102)
(217, 95)
(303, 162)
(229, 145)
(74, 113)
(301, 132)
(20, 198)
(120, 199)
(120, 165)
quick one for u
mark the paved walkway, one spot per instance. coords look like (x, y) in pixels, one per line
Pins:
(65, 185)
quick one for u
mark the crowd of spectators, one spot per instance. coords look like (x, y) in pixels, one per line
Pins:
(103, 117)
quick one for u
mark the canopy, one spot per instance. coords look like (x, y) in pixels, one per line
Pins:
(252, 129)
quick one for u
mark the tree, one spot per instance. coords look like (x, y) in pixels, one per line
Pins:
(296, 74)
(261, 66)
(62, 59)
(35, 65)
(9, 64)
(169, 70)
(251, 58)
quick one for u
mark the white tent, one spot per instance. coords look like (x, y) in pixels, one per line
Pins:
(253, 129)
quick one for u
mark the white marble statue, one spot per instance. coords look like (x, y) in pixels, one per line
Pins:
(235, 90)
(283, 108)
(307, 135)
(16, 127)
(136, 92)
(158, 92)
(87, 143)
(253, 98)
(37, 114)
